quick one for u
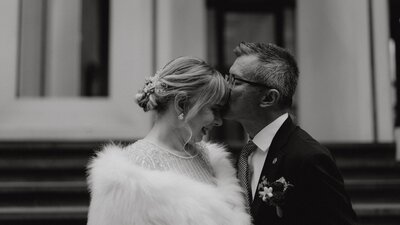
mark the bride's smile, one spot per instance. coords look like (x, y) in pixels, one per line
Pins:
(204, 121)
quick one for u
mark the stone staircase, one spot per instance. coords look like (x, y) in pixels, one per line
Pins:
(372, 179)
(43, 183)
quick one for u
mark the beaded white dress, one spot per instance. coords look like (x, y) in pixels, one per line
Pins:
(150, 156)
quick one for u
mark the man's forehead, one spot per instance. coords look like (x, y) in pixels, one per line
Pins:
(243, 65)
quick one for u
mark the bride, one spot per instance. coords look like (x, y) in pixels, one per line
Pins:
(171, 176)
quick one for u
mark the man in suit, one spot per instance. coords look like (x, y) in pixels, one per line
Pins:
(264, 79)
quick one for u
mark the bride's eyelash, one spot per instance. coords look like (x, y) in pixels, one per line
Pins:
(216, 110)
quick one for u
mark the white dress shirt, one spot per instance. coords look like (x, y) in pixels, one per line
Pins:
(263, 140)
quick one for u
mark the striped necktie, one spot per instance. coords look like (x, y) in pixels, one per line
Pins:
(244, 171)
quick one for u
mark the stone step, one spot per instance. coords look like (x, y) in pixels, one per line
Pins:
(362, 150)
(378, 213)
(61, 215)
(41, 169)
(347, 150)
(51, 192)
(28, 161)
(373, 184)
(358, 168)
(46, 161)
(43, 174)
(45, 193)
(368, 214)
(373, 190)
(52, 146)
(43, 163)
(41, 186)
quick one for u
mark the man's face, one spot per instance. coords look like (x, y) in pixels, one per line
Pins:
(244, 99)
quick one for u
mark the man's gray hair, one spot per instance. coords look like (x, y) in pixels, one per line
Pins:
(276, 68)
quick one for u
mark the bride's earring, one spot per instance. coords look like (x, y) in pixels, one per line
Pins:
(180, 117)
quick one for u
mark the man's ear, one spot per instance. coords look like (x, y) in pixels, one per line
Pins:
(271, 97)
(180, 102)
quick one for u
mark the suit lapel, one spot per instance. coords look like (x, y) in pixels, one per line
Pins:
(272, 162)
(277, 150)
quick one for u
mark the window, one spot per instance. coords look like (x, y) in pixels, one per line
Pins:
(63, 48)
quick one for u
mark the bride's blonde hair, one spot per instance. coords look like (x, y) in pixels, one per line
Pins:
(187, 76)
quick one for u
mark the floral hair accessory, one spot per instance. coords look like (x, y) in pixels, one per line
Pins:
(273, 193)
(154, 84)
(149, 86)
(145, 97)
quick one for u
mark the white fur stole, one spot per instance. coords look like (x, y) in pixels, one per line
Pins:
(123, 193)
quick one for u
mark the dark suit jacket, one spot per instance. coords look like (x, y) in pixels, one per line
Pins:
(318, 196)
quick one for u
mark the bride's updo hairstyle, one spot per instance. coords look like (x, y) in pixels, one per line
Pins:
(190, 77)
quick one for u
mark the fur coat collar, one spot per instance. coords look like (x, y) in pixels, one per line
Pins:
(123, 193)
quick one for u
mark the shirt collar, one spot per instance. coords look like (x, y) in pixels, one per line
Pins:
(264, 138)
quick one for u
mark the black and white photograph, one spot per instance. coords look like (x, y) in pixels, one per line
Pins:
(200, 112)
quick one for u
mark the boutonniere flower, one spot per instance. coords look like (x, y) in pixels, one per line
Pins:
(273, 193)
